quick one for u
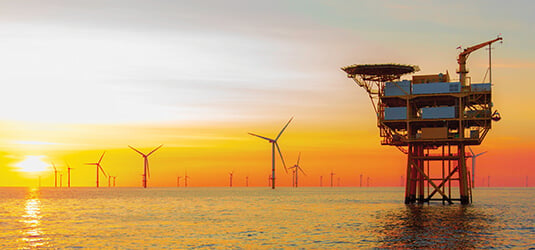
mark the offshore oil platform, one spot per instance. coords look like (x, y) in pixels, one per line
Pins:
(432, 120)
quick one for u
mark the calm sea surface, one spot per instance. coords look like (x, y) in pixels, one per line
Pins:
(261, 218)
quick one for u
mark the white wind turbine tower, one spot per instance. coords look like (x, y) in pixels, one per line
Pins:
(474, 157)
(273, 145)
(296, 169)
(146, 171)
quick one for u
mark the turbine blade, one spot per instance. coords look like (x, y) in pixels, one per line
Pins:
(481, 153)
(282, 158)
(298, 158)
(92, 164)
(101, 157)
(136, 150)
(259, 136)
(54, 166)
(301, 170)
(470, 148)
(101, 169)
(154, 150)
(280, 133)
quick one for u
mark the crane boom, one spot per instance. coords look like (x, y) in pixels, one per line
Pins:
(463, 56)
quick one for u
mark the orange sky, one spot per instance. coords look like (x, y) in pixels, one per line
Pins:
(81, 78)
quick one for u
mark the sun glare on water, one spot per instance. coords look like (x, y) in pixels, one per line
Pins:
(32, 164)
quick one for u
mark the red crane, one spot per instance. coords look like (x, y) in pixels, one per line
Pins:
(463, 56)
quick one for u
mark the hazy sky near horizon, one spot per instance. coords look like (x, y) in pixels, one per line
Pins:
(84, 76)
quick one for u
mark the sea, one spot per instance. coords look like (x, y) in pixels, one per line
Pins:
(261, 218)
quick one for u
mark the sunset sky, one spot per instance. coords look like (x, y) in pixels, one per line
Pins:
(80, 77)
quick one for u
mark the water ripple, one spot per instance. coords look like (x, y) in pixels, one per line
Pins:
(252, 218)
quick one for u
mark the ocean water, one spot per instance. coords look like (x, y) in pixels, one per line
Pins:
(260, 218)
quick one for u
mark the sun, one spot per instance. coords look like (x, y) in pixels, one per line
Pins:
(32, 164)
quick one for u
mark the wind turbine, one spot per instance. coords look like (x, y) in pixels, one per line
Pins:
(178, 181)
(296, 169)
(273, 145)
(114, 177)
(186, 177)
(68, 174)
(60, 180)
(230, 174)
(55, 175)
(99, 167)
(332, 174)
(247, 181)
(474, 157)
(146, 171)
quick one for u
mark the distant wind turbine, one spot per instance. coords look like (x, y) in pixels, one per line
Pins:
(273, 145)
(146, 171)
(247, 181)
(178, 181)
(186, 177)
(60, 180)
(332, 174)
(55, 175)
(230, 174)
(109, 181)
(474, 157)
(321, 180)
(68, 174)
(99, 167)
(296, 169)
